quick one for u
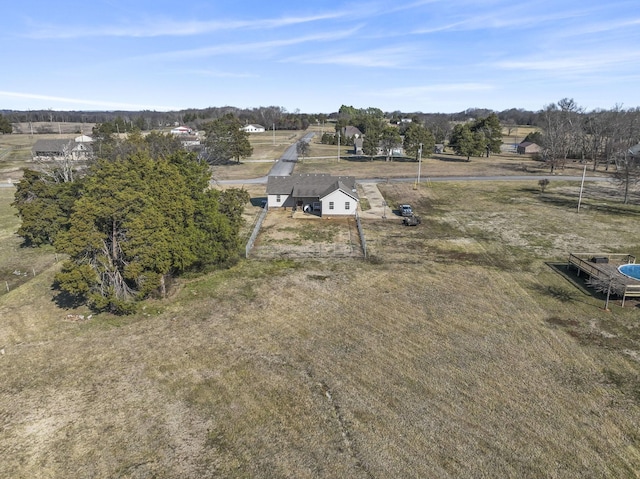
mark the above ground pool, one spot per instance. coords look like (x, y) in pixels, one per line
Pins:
(631, 270)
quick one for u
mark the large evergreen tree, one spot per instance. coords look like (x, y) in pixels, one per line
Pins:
(139, 221)
(491, 130)
(466, 142)
(389, 139)
(371, 141)
(226, 140)
(416, 135)
(5, 125)
(44, 206)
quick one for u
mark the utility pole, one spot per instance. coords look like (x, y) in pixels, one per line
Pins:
(338, 146)
(419, 165)
(606, 303)
(274, 134)
(584, 172)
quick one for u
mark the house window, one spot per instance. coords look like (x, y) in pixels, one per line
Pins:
(330, 205)
(277, 198)
(347, 205)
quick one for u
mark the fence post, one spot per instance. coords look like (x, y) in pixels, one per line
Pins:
(256, 229)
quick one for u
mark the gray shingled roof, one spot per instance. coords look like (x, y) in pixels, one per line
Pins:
(52, 146)
(311, 185)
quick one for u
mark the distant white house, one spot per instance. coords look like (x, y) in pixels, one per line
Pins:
(83, 139)
(190, 141)
(634, 151)
(351, 131)
(320, 194)
(58, 149)
(253, 128)
(181, 130)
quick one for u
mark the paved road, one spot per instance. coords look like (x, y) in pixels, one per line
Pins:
(487, 178)
(263, 179)
(282, 167)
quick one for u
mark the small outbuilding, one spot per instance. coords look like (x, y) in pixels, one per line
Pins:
(528, 148)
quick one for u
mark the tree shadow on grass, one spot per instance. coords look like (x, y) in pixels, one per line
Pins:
(523, 167)
(64, 300)
(578, 282)
(358, 159)
(449, 159)
(570, 274)
(259, 201)
(572, 203)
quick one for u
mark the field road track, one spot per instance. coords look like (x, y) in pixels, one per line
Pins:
(4, 152)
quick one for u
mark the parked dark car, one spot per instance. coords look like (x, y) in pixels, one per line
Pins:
(412, 220)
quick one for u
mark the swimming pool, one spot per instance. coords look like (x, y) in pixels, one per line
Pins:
(630, 270)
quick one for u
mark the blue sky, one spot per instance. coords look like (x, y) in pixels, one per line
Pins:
(428, 56)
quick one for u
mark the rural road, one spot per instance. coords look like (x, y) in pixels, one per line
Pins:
(263, 179)
(282, 167)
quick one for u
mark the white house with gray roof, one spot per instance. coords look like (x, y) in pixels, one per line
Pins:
(57, 149)
(318, 193)
(253, 128)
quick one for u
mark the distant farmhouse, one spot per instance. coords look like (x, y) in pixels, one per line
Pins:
(527, 147)
(351, 131)
(181, 130)
(78, 149)
(187, 136)
(319, 194)
(253, 128)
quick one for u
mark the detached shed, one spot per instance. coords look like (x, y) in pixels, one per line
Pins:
(528, 147)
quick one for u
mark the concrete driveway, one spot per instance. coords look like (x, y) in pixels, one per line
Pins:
(378, 209)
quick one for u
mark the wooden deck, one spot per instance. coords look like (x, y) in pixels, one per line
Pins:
(603, 268)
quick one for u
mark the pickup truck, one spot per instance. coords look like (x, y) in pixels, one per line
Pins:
(406, 210)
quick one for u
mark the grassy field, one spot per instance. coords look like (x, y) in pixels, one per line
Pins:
(17, 265)
(462, 348)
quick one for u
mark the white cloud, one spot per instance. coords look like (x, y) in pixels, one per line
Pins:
(77, 101)
(230, 48)
(574, 62)
(437, 88)
(218, 74)
(391, 57)
(158, 27)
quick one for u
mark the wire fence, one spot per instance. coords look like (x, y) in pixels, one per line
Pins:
(363, 241)
(256, 230)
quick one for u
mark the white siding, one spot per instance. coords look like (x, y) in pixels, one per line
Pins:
(253, 129)
(272, 201)
(343, 204)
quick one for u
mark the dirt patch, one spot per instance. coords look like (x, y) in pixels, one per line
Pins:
(285, 234)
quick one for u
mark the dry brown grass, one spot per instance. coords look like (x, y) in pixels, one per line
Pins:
(456, 351)
(323, 158)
